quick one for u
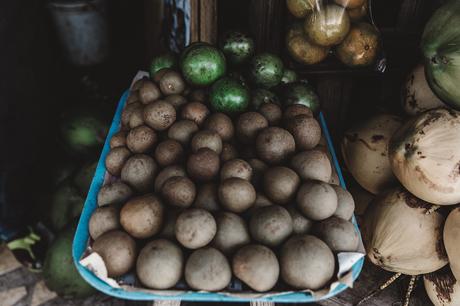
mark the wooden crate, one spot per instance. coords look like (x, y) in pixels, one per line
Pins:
(401, 24)
(343, 94)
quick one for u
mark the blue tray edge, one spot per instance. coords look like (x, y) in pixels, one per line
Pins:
(82, 235)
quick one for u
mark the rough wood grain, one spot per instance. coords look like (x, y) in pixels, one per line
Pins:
(267, 24)
(335, 94)
(153, 16)
(8, 262)
(41, 294)
(208, 21)
(371, 277)
(12, 296)
(194, 20)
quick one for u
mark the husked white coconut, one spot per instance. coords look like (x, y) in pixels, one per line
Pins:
(425, 156)
(442, 288)
(452, 240)
(400, 236)
(417, 95)
(365, 152)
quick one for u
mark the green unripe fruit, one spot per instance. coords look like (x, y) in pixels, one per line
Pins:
(202, 64)
(237, 47)
(229, 96)
(167, 60)
(266, 70)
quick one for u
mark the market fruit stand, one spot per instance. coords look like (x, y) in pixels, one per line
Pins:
(345, 96)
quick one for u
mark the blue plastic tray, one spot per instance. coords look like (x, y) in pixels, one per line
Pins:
(82, 235)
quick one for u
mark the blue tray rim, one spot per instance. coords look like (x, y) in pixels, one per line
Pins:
(82, 235)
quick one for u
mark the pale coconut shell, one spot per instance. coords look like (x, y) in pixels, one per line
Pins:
(425, 156)
(417, 95)
(400, 237)
(365, 152)
(452, 241)
(442, 288)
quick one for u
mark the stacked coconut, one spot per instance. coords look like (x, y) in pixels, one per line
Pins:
(413, 170)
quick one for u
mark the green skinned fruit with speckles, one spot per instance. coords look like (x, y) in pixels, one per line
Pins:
(59, 270)
(229, 96)
(167, 60)
(441, 50)
(83, 132)
(202, 64)
(266, 70)
(237, 47)
(301, 93)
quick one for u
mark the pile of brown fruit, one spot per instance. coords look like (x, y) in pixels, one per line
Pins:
(201, 195)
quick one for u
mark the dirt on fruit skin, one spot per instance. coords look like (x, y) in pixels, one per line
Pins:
(443, 281)
(266, 70)
(415, 202)
(360, 47)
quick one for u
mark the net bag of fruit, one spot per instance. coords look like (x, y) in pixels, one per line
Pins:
(344, 29)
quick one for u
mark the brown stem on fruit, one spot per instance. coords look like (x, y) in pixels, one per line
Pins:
(412, 281)
(390, 281)
(432, 209)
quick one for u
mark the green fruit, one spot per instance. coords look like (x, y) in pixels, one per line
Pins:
(229, 96)
(289, 76)
(167, 60)
(237, 47)
(66, 204)
(83, 133)
(301, 93)
(84, 177)
(202, 64)
(59, 271)
(266, 70)
(261, 95)
(441, 50)
(190, 47)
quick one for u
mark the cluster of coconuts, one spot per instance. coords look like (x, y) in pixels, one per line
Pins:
(412, 168)
(335, 25)
(201, 195)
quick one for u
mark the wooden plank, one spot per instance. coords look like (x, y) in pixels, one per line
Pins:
(8, 262)
(208, 21)
(41, 294)
(371, 277)
(194, 20)
(276, 17)
(410, 16)
(12, 296)
(153, 16)
(258, 22)
(267, 24)
(335, 94)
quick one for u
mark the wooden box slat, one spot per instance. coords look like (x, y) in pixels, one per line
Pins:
(203, 20)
